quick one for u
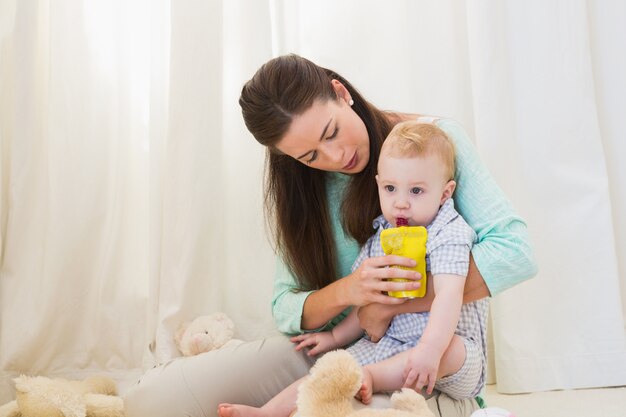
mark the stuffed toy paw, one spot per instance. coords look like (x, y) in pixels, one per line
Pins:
(205, 333)
(10, 409)
(56, 397)
(333, 382)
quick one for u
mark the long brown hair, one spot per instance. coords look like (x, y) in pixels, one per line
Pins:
(295, 195)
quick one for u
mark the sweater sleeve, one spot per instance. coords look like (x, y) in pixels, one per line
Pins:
(503, 252)
(287, 300)
(288, 304)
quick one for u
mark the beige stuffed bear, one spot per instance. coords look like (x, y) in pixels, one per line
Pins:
(205, 333)
(335, 379)
(55, 397)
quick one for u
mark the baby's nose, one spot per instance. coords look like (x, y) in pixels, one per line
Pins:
(402, 202)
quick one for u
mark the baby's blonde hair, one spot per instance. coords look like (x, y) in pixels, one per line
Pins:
(411, 138)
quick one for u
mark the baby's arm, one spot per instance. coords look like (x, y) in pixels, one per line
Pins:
(345, 332)
(422, 366)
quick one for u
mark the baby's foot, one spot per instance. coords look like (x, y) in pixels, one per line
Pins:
(238, 410)
(365, 392)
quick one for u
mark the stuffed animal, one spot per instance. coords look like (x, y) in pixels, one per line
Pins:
(205, 333)
(335, 379)
(55, 397)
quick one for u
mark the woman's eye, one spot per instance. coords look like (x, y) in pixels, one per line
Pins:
(390, 188)
(416, 190)
(334, 135)
(312, 158)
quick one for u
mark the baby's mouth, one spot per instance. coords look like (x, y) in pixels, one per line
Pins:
(402, 221)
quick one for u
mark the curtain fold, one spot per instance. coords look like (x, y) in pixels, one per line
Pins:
(539, 128)
(606, 25)
(131, 191)
(214, 254)
(192, 181)
(72, 285)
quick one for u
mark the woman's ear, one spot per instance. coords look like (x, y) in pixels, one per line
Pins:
(341, 91)
(448, 190)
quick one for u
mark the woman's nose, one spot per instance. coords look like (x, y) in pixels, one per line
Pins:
(332, 153)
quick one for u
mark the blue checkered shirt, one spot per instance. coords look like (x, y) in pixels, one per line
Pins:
(448, 246)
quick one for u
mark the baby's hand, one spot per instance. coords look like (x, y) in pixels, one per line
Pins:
(321, 342)
(421, 368)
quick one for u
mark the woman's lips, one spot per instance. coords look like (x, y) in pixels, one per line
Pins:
(352, 163)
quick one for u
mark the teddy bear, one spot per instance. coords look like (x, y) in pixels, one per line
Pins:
(333, 381)
(205, 333)
(39, 396)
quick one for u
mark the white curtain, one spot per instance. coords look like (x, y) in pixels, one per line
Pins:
(130, 194)
(74, 172)
(548, 79)
(210, 250)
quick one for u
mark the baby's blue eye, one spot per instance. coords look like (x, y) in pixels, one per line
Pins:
(390, 188)
(416, 190)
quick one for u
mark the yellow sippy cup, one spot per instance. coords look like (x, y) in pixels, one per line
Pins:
(410, 242)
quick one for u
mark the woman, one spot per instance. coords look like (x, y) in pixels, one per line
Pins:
(323, 140)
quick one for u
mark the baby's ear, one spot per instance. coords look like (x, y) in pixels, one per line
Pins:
(448, 190)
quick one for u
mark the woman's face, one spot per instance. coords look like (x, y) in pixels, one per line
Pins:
(329, 136)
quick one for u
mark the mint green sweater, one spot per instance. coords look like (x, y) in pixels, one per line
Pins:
(502, 254)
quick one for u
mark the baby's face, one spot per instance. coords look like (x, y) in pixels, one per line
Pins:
(413, 188)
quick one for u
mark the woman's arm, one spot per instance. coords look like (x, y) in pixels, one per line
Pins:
(362, 287)
(296, 311)
(375, 318)
(503, 252)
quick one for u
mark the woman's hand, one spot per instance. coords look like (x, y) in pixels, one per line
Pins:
(368, 283)
(375, 318)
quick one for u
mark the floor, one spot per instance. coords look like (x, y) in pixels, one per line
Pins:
(604, 402)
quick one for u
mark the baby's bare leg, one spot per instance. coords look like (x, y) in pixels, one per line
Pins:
(387, 375)
(282, 405)
(453, 358)
(367, 389)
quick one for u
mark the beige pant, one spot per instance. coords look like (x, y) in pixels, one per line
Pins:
(250, 373)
